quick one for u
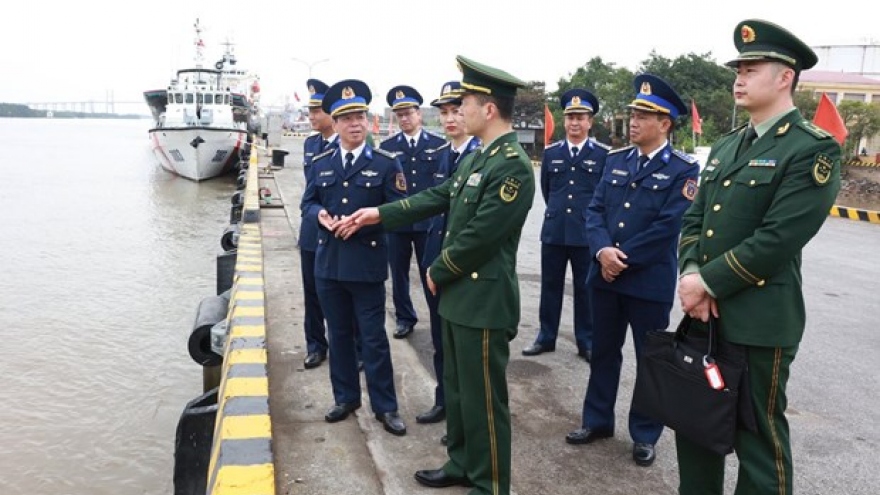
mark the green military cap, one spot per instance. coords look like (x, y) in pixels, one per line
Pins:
(480, 78)
(761, 40)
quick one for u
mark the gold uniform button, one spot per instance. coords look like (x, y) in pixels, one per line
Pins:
(626, 205)
(760, 283)
(344, 200)
(727, 183)
(752, 182)
(716, 208)
(710, 233)
(475, 275)
(705, 257)
(621, 225)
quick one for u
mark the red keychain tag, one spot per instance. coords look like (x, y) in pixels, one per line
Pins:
(713, 374)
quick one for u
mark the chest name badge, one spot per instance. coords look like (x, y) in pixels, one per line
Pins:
(326, 173)
(474, 179)
(762, 163)
(623, 173)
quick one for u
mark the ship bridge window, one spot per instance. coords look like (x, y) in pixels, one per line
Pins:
(189, 98)
(209, 98)
(226, 99)
(178, 98)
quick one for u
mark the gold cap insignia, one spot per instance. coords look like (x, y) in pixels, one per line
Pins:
(646, 88)
(747, 33)
(575, 100)
(399, 94)
(312, 90)
(447, 89)
(347, 93)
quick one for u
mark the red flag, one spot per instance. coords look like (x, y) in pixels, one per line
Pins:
(829, 119)
(548, 125)
(696, 121)
(296, 96)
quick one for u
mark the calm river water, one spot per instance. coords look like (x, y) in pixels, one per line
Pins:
(104, 258)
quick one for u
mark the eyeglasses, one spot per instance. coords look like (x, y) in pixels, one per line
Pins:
(405, 114)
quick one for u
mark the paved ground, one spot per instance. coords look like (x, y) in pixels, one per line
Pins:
(832, 409)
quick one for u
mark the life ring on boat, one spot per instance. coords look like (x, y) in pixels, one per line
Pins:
(219, 65)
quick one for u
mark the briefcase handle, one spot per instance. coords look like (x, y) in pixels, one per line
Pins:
(684, 327)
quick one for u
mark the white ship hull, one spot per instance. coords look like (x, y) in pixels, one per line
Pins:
(197, 153)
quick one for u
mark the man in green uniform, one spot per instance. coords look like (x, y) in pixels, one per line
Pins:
(765, 192)
(488, 198)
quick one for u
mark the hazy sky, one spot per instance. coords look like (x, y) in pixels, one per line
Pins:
(62, 51)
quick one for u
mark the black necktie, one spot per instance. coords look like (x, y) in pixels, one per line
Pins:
(643, 160)
(324, 144)
(412, 143)
(454, 156)
(744, 145)
(574, 151)
(348, 159)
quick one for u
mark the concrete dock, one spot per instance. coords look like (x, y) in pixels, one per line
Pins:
(832, 409)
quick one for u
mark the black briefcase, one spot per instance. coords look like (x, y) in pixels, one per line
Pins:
(696, 384)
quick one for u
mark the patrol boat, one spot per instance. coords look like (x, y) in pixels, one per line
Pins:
(196, 134)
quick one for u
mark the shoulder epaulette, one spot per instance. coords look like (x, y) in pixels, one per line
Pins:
(385, 153)
(327, 152)
(684, 156)
(734, 131)
(439, 148)
(509, 151)
(814, 130)
(432, 133)
(555, 144)
(619, 150)
(602, 145)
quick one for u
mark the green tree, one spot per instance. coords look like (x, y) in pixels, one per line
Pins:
(862, 120)
(611, 85)
(529, 104)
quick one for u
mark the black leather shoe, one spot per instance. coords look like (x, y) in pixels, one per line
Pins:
(314, 359)
(437, 478)
(586, 435)
(403, 330)
(643, 454)
(393, 423)
(341, 411)
(536, 348)
(435, 415)
(587, 354)
(444, 440)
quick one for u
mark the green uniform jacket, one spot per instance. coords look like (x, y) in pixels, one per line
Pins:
(750, 220)
(488, 200)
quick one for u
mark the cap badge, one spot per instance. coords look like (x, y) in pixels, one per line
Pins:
(347, 93)
(646, 88)
(575, 100)
(747, 33)
(447, 89)
(399, 94)
(312, 90)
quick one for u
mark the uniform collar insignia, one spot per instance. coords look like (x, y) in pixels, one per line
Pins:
(783, 129)
(492, 153)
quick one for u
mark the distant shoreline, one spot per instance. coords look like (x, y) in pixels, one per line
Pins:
(18, 110)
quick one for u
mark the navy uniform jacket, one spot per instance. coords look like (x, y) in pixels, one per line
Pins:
(437, 229)
(308, 228)
(567, 184)
(640, 212)
(374, 179)
(419, 165)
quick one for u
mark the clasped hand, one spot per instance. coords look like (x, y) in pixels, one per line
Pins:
(345, 226)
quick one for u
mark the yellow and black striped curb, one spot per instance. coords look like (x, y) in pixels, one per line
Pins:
(241, 455)
(855, 214)
(857, 163)
(250, 212)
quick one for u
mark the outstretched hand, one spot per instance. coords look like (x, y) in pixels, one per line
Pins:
(347, 226)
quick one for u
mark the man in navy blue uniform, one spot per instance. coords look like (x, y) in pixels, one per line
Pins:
(459, 146)
(350, 274)
(633, 224)
(419, 153)
(570, 170)
(323, 138)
